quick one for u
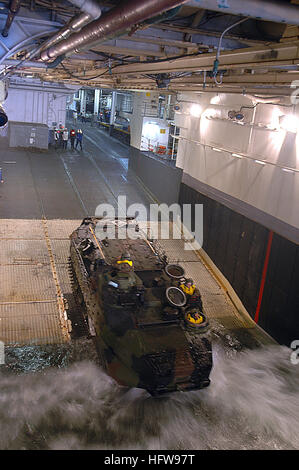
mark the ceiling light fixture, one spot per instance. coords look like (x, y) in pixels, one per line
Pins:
(215, 99)
(289, 123)
(237, 155)
(195, 110)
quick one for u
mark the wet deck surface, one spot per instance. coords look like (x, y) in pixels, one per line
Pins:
(43, 199)
(66, 184)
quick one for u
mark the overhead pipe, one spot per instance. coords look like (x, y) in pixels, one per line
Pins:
(20, 45)
(113, 22)
(24, 63)
(91, 11)
(75, 24)
(216, 61)
(268, 10)
(13, 10)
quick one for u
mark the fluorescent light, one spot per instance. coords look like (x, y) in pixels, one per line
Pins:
(150, 130)
(289, 123)
(215, 99)
(195, 110)
(216, 150)
(237, 155)
(259, 161)
(287, 170)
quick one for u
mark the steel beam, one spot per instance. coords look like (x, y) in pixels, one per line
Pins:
(203, 32)
(127, 51)
(283, 77)
(271, 54)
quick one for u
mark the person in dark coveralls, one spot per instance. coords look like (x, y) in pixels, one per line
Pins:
(72, 137)
(61, 128)
(56, 138)
(79, 138)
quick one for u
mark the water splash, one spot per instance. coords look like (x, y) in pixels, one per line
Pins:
(252, 403)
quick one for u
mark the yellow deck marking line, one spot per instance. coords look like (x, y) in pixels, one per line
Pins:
(28, 302)
(60, 301)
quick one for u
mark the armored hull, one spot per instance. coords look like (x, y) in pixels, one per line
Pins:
(135, 309)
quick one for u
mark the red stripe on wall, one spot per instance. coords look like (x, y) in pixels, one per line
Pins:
(264, 275)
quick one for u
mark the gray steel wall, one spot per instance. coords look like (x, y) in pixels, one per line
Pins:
(159, 177)
(238, 247)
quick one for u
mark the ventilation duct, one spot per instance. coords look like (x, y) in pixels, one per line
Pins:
(118, 19)
(91, 11)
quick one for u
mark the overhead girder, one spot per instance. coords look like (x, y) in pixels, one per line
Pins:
(271, 56)
(241, 57)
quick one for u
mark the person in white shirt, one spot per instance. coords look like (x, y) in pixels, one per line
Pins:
(65, 138)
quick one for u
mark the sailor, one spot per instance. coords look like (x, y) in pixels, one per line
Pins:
(192, 293)
(87, 250)
(130, 286)
(188, 287)
(72, 137)
(79, 138)
(65, 138)
(193, 316)
(125, 263)
(56, 137)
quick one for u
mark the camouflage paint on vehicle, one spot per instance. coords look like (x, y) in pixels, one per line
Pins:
(142, 338)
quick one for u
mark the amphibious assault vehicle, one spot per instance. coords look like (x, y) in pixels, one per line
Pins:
(148, 332)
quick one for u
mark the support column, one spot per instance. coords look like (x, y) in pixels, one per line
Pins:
(82, 101)
(96, 101)
(112, 111)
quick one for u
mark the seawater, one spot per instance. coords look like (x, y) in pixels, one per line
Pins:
(60, 398)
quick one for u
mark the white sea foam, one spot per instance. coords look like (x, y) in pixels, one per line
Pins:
(252, 403)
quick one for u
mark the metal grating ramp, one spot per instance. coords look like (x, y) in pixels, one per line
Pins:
(31, 310)
(26, 283)
(34, 280)
(61, 229)
(30, 323)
